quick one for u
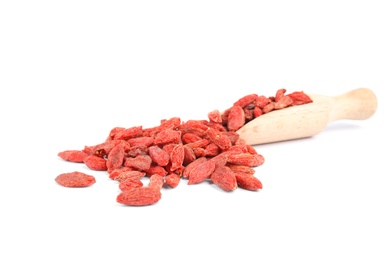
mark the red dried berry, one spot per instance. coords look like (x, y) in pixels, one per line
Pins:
(248, 181)
(75, 179)
(95, 162)
(224, 178)
(115, 157)
(139, 196)
(73, 155)
(201, 172)
(246, 159)
(236, 118)
(156, 181)
(129, 183)
(158, 155)
(172, 180)
(140, 162)
(177, 157)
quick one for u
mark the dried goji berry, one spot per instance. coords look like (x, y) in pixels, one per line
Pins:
(134, 151)
(300, 97)
(189, 155)
(115, 157)
(128, 133)
(75, 179)
(201, 172)
(73, 155)
(212, 150)
(269, 107)
(215, 116)
(241, 169)
(140, 162)
(245, 100)
(221, 140)
(236, 118)
(192, 165)
(199, 143)
(248, 181)
(95, 162)
(132, 174)
(114, 173)
(156, 181)
(284, 102)
(158, 155)
(139, 196)
(246, 159)
(224, 178)
(141, 141)
(130, 183)
(103, 149)
(279, 94)
(262, 101)
(167, 136)
(157, 169)
(190, 138)
(257, 112)
(177, 157)
(172, 180)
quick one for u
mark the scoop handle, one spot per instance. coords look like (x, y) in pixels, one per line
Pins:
(358, 104)
(309, 119)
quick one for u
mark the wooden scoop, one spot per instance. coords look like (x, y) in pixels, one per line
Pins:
(309, 119)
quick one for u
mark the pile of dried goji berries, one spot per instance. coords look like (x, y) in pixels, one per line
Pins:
(195, 150)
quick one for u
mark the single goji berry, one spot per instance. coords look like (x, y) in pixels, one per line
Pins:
(236, 118)
(279, 94)
(73, 155)
(156, 169)
(128, 133)
(95, 162)
(190, 138)
(75, 179)
(177, 157)
(139, 196)
(172, 180)
(192, 165)
(257, 112)
(248, 181)
(201, 172)
(134, 151)
(167, 136)
(132, 174)
(221, 140)
(262, 101)
(300, 97)
(269, 107)
(141, 141)
(199, 143)
(245, 100)
(130, 183)
(241, 169)
(140, 162)
(246, 159)
(156, 181)
(115, 157)
(158, 155)
(284, 102)
(224, 178)
(215, 116)
(114, 173)
(189, 155)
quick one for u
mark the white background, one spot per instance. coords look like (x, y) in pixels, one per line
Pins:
(72, 70)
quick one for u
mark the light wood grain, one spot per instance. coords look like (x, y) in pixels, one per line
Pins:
(309, 119)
